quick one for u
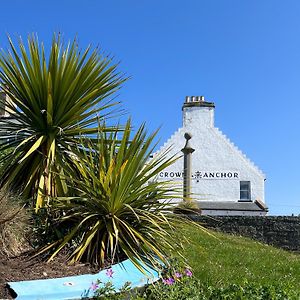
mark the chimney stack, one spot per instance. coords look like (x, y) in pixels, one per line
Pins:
(198, 112)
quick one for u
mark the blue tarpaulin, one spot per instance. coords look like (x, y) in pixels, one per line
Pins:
(74, 287)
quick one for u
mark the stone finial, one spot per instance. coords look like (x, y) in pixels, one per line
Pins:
(187, 147)
(187, 136)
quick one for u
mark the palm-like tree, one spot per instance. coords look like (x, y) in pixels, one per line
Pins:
(54, 102)
(118, 205)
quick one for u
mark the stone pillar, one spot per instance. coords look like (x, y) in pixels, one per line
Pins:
(187, 167)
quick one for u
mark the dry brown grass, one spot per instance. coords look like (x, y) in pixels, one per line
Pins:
(14, 225)
(187, 207)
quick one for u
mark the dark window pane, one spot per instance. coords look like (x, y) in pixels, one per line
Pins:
(244, 195)
(244, 186)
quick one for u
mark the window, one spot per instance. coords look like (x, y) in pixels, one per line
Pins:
(245, 189)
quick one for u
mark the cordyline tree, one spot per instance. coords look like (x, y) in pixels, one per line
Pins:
(55, 101)
(118, 208)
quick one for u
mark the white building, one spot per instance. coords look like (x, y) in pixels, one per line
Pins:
(224, 180)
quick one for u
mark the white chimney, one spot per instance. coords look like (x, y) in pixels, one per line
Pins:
(197, 112)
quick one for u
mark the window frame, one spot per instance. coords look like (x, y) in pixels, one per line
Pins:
(248, 191)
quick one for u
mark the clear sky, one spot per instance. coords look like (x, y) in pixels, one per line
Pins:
(242, 55)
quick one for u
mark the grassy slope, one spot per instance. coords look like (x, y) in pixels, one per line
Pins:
(230, 259)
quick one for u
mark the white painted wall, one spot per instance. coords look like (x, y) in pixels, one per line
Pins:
(213, 153)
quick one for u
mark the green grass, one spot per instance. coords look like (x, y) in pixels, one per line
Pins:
(227, 259)
(226, 267)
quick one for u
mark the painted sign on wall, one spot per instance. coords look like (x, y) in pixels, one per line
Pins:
(199, 175)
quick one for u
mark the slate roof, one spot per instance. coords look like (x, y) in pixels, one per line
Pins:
(232, 205)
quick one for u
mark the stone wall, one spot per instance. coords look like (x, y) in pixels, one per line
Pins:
(280, 231)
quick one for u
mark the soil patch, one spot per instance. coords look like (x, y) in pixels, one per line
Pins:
(24, 267)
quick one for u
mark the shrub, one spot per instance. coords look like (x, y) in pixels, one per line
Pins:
(118, 208)
(14, 225)
(101, 290)
(45, 227)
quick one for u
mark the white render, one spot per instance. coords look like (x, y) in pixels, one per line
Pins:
(221, 163)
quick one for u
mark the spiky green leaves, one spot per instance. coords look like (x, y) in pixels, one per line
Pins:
(54, 101)
(118, 207)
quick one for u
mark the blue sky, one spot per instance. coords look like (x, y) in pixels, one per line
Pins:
(242, 55)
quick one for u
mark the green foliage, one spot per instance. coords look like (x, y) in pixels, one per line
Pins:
(177, 283)
(14, 224)
(45, 227)
(54, 101)
(3, 154)
(107, 290)
(183, 289)
(118, 208)
(193, 289)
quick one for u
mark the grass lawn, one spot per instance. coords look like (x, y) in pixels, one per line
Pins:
(228, 259)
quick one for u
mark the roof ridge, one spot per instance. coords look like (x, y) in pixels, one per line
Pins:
(167, 141)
